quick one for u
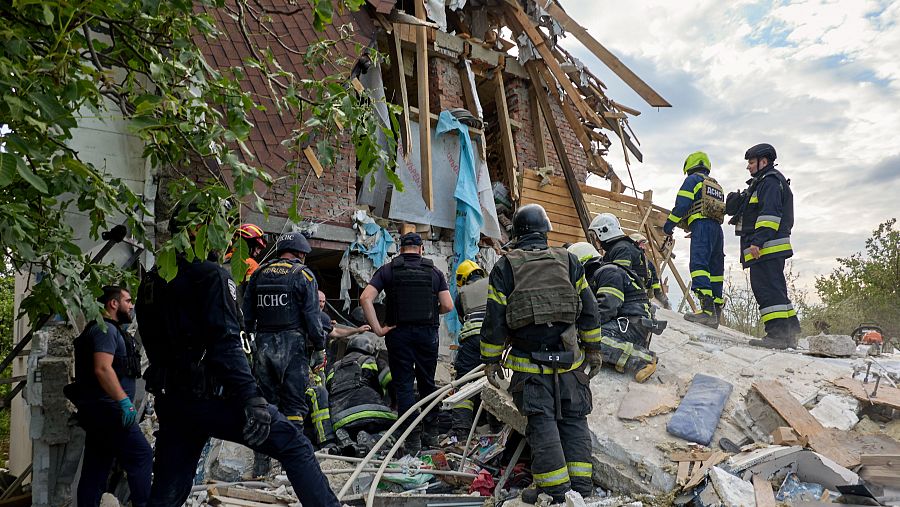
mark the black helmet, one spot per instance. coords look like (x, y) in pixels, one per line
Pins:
(761, 151)
(361, 343)
(292, 242)
(530, 218)
(358, 316)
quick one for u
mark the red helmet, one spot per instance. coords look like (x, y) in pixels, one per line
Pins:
(253, 234)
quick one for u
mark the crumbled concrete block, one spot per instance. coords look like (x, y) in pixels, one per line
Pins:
(837, 412)
(648, 400)
(574, 499)
(108, 500)
(832, 345)
(229, 462)
(734, 491)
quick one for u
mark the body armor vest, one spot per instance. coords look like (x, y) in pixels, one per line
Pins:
(348, 374)
(634, 292)
(276, 306)
(473, 299)
(710, 202)
(411, 299)
(543, 292)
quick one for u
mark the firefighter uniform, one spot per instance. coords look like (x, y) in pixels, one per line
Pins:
(625, 252)
(281, 305)
(359, 387)
(470, 304)
(318, 427)
(764, 214)
(707, 263)
(536, 296)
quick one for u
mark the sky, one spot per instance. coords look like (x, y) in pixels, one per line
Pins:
(819, 80)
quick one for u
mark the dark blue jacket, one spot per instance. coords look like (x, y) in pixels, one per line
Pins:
(687, 195)
(767, 218)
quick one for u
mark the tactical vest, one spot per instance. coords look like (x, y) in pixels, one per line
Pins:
(411, 299)
(635, 291)
(276, 307)
(710, 202)
(542, 291)
(130, 365)
(473, 299)
(347, 375)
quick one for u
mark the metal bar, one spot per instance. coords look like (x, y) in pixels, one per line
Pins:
(12, 380)
(509, 468)
(16, 483)
(7, 400)
(465, 454)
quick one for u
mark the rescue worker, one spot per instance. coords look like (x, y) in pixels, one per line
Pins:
(624, 311)
(654, 286)
(540, 304)
(202, 382)
(417, 295)
(359, 386)
(317, 426)
(700, 209)
(470, 304)
(107, 363)
(763, 215)
(281, 306)
(333, 332)
(254, 237)
(617, 247)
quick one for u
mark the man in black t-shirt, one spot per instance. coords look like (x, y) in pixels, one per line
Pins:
(417, 294)
(107, 363)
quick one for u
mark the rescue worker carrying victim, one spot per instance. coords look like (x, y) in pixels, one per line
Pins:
(281, 305)
(700, 209)
(470, 304)
(202, 383)
(359, 385)
(625, 316)
(763, 215)
(540, 303)
(417, 295)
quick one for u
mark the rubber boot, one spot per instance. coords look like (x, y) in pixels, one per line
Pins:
(771, 342)
(707, 314)
(644, 373)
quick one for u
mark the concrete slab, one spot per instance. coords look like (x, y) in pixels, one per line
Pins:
(647, 400)
(633, 457)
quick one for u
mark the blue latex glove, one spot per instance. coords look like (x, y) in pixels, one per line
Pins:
(129, 413)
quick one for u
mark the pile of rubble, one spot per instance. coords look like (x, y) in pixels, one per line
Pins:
(773, 427)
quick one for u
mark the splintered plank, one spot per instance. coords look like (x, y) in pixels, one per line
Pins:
(763, 491)
(684, 468)
(313, 161)
(510, 163)
(424, 106)
(396, 52)
(886, 395)
(699, 473)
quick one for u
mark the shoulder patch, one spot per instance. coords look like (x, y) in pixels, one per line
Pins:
(309, 276)
(232, 288)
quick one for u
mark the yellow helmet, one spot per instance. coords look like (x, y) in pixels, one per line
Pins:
(465, 270)
(584, 251)
(696, 160)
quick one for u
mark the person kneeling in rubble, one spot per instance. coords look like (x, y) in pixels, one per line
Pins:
(358, 385)
(625, 318)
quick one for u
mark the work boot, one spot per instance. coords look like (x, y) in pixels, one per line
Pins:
(430, 438)
(530, 495)
(644, 373)
(720, 313)
(413, 443)
(772, 342)
(707, 315)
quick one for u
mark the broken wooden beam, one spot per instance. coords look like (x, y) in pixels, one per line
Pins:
(424, 105)
(399, 74)
(510, 162)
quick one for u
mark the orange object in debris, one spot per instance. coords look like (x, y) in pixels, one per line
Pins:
(871, 338)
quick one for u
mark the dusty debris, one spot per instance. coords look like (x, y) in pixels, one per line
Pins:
(732, 490)
(647, 400)
(831, 345)
(837, 412)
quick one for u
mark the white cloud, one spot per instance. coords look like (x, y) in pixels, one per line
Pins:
(818, 79)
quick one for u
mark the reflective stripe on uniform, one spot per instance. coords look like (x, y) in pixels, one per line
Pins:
(370, 365)
(693, 217)
(656, 285)
(700, 273)
(590, 336)
(754, 198)
(581, 285)
(490, 350)
(350, 415)
(777, 312)
(627, 349)
(770, 247)
(384, 378)
(685, 193)
(552, 478)
(526, 365)
(623, 262)
(294, 417)
(612, 291)
(714, 279)
(674, 218)
(465, 405)
(770, 221)
(470, 328)
(496, 296)
(579, 469)
(719, 301)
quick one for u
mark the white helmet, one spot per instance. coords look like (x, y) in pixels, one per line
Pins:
(584, 251)
(606, 227)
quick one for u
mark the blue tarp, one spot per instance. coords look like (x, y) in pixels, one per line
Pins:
(469, 219)
(698, 413)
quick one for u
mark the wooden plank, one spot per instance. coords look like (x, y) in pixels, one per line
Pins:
(537, 120)
(886, 395)
(615, 196)
(889, 460)
(610, 60)
(682, 456)
(225, 501)
(763, 490)
(698, 476)
(559, 145)
(253, 495)
(880, 477)
(313, 161)
(424, 105)
(510, 162)
(788, 407)
(683, 471)
(399, 75)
